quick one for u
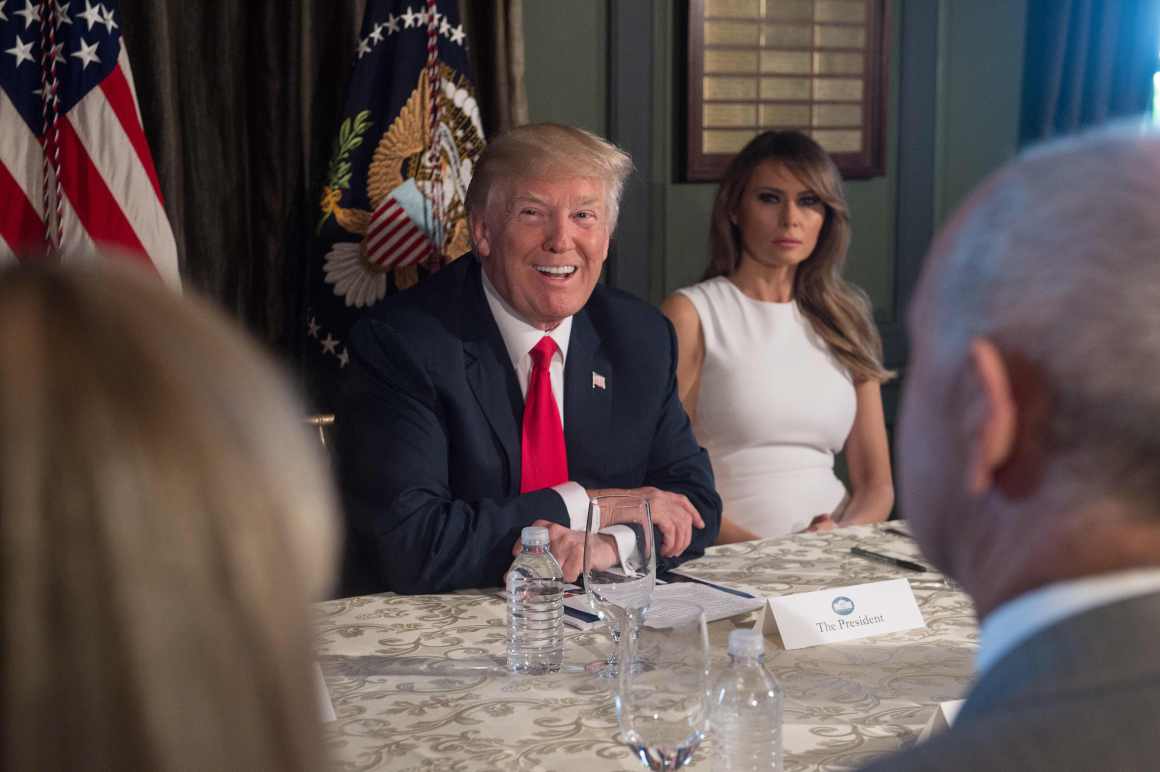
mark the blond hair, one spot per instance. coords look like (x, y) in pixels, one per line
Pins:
(548, 150)
(839, 312)
(164, 521)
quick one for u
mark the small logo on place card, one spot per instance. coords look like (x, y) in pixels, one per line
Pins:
(842, 605)
(598, 381)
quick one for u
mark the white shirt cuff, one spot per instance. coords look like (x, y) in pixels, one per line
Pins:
(625, 540)
(576, 502)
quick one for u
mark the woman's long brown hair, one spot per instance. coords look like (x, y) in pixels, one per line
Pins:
(839, 312)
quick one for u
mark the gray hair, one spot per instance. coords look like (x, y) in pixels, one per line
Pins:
(549, 150)
(1059, 260)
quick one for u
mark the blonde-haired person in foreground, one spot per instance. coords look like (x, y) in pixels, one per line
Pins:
(164, 523)
(780, 361)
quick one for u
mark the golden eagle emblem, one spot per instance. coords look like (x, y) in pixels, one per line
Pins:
(417, 186)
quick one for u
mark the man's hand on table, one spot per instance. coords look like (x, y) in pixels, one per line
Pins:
(567, 546)
(672, 514)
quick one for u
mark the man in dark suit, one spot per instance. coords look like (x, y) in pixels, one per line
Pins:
(1030, 456)
(509, 388)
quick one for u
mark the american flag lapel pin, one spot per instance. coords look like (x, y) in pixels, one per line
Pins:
(598, 381)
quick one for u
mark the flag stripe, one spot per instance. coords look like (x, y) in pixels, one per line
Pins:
(127, 71)
(20, 226)
(22, 156)
(384, 215)
(415, 248)
(398, 231)
(20, 182)
(416, 242)
(132, 191)
(20, 149)
(387, 254)
(422, 252)
(120, 98)
(94, 202)
(377, 235)
(77, 241)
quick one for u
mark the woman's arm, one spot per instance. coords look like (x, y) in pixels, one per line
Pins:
(732, 533)
(690, 357)
(690, 348)
(868, 460)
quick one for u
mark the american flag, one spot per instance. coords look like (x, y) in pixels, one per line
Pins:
(394, 239)
(76, 174)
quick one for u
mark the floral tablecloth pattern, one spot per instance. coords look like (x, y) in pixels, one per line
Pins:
(417, 682)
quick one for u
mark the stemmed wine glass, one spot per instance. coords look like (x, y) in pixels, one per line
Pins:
(662, 709)
(620, 592)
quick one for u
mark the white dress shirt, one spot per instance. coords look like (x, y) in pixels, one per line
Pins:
(1020, 618)
(519, 337)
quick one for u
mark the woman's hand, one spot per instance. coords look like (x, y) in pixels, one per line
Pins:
(821, 523)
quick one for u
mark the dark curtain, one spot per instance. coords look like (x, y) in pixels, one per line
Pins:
(239, 102)
(496, 31)
(1085, 62)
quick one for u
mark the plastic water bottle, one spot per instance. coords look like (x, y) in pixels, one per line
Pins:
(535, 590)
(746, 709)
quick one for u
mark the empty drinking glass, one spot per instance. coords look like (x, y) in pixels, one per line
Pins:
(662, 706)
(620, 566)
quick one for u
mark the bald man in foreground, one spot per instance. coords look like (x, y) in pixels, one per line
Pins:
(1030, 456)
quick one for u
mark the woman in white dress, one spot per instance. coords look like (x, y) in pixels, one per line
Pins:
(780, 364)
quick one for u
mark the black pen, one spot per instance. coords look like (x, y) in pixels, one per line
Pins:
(862, 553)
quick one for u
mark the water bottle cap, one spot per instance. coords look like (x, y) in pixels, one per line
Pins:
(534, 536)
(746, 643)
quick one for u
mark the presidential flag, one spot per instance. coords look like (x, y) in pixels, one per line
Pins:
(393, 206)
(76, 175)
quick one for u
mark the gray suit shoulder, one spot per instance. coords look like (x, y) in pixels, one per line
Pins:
(1103, 730)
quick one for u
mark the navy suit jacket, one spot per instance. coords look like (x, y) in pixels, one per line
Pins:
(428, 432)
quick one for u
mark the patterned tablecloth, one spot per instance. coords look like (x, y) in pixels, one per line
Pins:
(415, 687)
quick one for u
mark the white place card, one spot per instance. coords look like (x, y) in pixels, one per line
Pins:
(843, 613)
(325, 706)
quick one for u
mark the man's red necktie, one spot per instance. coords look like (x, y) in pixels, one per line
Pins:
(545, 459)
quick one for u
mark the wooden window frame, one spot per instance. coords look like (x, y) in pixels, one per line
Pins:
(869, 162)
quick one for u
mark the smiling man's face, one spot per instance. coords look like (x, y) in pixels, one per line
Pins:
(544, 250)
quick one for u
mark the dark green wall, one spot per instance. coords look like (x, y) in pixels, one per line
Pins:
(979, 66)
(567, 62)
(980, 74)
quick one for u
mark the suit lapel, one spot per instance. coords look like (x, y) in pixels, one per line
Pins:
(489, 373)
(588, 384)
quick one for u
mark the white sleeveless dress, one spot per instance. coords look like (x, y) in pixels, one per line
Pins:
(774, 407)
